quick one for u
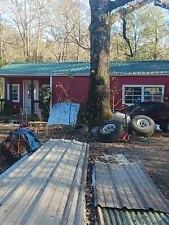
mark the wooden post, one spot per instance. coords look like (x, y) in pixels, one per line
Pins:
(32, 98)
(9, 107)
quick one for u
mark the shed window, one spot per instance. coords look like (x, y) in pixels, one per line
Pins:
(15, 92)
(142, 93)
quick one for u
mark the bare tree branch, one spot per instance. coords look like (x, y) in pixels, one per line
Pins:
(128, 8)
(77, 42)
(162, 3)
(126, 38)
(118, 3)
(57, 57)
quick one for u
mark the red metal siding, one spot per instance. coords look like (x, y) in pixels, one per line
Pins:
(19, 80)
(76, 88)
(70, 89)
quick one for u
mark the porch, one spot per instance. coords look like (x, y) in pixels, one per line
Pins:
(6, 110)
(23, 97)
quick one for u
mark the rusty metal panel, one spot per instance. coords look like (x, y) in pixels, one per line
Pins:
(46, 188)
(127, 185)
(108, 216)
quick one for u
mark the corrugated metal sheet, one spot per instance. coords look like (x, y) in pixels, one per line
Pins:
(154, 67)
(127, 185)
(64, 113)
(108, 216)
(46, 188)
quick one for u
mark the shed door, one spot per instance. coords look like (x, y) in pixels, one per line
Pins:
(27, 95)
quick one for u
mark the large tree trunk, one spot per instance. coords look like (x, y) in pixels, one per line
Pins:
(98, 106)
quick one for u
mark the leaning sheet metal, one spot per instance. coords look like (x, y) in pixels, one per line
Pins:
(47, 187)
(127, 185)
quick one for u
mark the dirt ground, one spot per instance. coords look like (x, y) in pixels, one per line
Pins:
(152, 152)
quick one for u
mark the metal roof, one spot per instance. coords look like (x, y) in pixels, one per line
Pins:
(44, 69)
(47, 187)
(83, 68)
(108, 216)
(127, 185)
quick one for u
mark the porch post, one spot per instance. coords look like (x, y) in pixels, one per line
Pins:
(9, 107)
(51, 101)
(32, 98)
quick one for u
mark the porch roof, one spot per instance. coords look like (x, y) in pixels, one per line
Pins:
(83, 68)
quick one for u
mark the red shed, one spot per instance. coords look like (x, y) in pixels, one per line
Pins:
(130, 82)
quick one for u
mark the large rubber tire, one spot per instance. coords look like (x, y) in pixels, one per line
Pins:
(110, 131)
(162, 127)
(118, 116)
(143, 125)
(165, 127)
(79, 129)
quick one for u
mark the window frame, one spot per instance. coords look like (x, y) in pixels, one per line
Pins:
(18, 86)
(142, 91)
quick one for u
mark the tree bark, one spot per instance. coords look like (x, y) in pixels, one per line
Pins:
(98, 106)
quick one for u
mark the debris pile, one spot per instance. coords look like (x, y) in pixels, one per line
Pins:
(18, 143)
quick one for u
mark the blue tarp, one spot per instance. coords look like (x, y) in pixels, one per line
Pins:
(31, 137)
(64, 113)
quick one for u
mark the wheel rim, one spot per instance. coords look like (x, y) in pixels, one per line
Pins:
(143, 123)
(107, 129)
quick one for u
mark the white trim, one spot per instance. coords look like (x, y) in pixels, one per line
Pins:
(123, 94)
(142, 92)
(36, 105)
(143, 85)
(18, 85)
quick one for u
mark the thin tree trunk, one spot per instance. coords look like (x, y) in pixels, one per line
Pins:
(155, 54)
(79, 32)
(98, 106)
(1, 44)
(38, 43)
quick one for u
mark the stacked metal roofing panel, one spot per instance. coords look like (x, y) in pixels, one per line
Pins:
(126, 195)
(127, 185)
(109, 216)
(46, 188)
